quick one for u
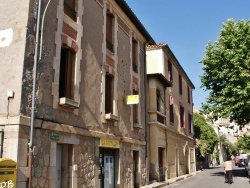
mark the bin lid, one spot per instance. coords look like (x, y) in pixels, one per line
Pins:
(7, 163)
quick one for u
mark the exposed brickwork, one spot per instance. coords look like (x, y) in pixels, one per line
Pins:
(74, 46)
(110, 61)
(69, 31)
(64, 39)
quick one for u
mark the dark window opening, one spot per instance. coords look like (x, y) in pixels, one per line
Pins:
(180, 84)
(135, 110)
(182, 117)
(171, 109)
(67, 73)
(170, 72)
(190, 123)
(69, 9)
(109, 94)
(188, 92)
(109, 32)
(134, 55)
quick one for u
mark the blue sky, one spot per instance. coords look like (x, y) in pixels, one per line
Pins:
(187, 26)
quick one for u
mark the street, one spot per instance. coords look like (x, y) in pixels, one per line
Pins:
(213, 178)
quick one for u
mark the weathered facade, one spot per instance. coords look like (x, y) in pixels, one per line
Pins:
(82, 133)
(170, 109)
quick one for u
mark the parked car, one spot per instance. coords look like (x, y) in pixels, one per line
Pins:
(242, 163)
(247, 168)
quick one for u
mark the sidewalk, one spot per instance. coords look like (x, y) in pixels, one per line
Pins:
(170, 181)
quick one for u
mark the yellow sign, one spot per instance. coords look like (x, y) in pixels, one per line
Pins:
(109, 143)
(133, 99)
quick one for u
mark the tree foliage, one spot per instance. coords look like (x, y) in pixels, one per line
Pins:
(229, 148)
(243, 143)
(226, 66)
(205, 135)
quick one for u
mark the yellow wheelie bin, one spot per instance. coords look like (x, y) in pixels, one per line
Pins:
(8, 173)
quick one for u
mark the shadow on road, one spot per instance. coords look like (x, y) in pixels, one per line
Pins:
(240, 172)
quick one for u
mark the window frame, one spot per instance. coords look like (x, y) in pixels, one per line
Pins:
(69, 7)
(170, 71)
(67, 73)
(109, 93)
(180, 84)
(135, 55)
(190, 123)
(171, 109)
(188, 94)
(135, 108)
(110, 31)
(182, 116)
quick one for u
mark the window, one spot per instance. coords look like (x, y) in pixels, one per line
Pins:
(109, 90)
(67, 73)
(134, 55)
(180, 84)
(170, 72)
(182, 117)
(160, 101)
(135, 110)
(188, 92)
(171, 109)
(190, 122)
(109, 32)
(69, 9)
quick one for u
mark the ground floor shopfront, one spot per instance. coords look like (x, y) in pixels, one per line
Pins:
(69, 157)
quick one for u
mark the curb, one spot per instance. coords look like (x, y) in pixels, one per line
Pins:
(170, 181)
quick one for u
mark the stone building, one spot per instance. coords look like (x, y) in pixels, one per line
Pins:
(170, 109)
(67, 68)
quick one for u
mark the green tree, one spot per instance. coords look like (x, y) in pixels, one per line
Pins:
(230, 148)
(206, 137)
(243, 143)
(226, 66)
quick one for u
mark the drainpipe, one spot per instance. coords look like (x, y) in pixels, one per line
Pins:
(30, 144)
(41, 38)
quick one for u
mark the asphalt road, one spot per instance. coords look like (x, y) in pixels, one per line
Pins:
(214, 178)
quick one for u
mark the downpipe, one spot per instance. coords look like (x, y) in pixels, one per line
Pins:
(30, 144)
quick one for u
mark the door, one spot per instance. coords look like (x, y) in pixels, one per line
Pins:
(58, 165)
(177, 162)
(160, 161)
(135, 168)
(109, 171)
